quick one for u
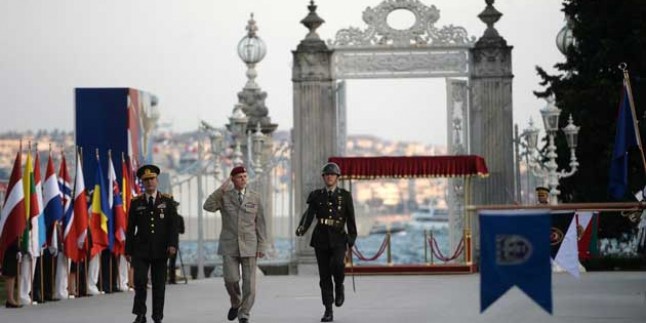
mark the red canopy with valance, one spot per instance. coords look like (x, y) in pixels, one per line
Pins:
(411, 167)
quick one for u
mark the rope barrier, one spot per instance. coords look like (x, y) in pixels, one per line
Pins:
(435, 249)
(382, 248)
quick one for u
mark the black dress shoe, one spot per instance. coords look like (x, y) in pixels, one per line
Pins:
(340, 296)
(11, 305)
(141, 318)
(233, 313)
(243, 320)
(327, 316)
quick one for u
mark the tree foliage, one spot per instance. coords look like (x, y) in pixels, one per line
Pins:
(588, 86)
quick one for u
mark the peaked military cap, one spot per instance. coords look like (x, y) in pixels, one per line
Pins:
(542, 189)
(147, 171)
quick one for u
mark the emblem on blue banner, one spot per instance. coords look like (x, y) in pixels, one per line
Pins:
(515, 251)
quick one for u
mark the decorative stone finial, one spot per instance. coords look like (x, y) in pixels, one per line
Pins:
(251, 27)
(312, 22)
(490, 16)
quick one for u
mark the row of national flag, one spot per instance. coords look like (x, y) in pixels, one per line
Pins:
(34, 209)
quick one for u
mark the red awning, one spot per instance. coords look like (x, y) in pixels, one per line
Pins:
(411, 167)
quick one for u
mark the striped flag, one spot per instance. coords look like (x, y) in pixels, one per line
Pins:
(39, 235)
(53, 205)
(31, 208)
(76, 227)
(65, 186)
(100, 218)
(116, 205)
(127, 189)
(12, 217)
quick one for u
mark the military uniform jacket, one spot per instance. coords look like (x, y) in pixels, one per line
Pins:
(151, 231)
(338, 209)
(244, 231)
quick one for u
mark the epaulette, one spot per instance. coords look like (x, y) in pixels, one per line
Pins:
(138, 197)
(168, 196)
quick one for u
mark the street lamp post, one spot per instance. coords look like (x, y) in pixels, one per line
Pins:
(525, 140)
(548, 170)
(238, 127)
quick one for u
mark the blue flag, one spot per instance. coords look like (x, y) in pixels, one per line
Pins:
(625, 139)
(515, 250)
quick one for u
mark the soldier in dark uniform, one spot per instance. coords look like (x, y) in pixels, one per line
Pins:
(150, 238)
(334, 211)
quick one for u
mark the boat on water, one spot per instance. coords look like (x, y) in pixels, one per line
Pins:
(429, 218)
(385, 227)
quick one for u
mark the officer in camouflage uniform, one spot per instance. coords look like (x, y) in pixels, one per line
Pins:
(151, 237)
(333, 210)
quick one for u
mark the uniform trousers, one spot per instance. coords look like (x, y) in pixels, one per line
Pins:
(330, 263)
(231, 272)
(62, 268)
(158, 276)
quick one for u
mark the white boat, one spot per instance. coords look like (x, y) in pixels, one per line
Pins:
(429, 218)
(391, 227)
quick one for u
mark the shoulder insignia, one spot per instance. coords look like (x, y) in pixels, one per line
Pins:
(166, 195)
(138, 197)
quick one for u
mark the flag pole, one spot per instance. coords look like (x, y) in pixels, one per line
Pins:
(28, 215)
(18, 267)
(42, 277)
(624, 68)
(53, 276)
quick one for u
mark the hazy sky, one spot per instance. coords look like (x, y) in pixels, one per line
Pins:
(184, 51)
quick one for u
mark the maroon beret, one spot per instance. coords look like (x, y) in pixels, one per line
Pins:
(238, 170)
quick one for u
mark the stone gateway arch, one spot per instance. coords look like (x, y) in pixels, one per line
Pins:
(479, 93)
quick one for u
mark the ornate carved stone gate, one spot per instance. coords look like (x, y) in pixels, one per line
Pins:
(478, 77)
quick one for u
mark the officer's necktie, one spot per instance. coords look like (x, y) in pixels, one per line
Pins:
(151, 203)
(240, 197)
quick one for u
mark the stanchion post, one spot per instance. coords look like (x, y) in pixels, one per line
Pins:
(426, 246)
(432, 256)
(390, 256)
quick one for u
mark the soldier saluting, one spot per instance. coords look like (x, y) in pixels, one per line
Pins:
(334, 211)
(151, 237)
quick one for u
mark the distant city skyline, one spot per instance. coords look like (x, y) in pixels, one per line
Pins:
(184, 52)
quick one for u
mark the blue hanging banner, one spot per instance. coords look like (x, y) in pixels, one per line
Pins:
(515, 250)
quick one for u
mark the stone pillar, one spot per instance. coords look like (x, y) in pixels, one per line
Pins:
(315, 122)
(457, 105)
(491, 123)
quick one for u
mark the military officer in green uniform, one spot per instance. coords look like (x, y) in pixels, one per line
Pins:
(333, 210)
(151, 237)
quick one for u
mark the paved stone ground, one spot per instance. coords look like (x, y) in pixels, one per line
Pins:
(615, 297)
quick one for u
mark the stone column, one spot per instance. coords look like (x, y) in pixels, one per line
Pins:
(491, 123)
(457, 105)
(315, 122)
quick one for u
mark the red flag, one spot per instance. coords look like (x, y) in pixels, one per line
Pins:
(127, 191)
(118, 214)
(12, 218)
(586, 229)
(76, 229)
